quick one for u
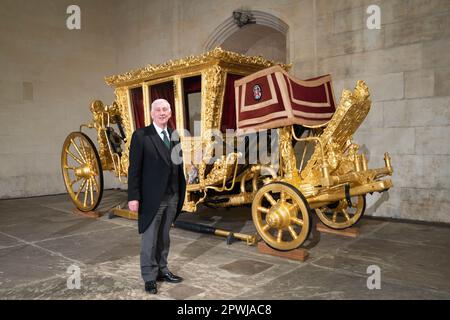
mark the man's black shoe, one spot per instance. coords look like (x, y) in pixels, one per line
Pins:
(169, 277)
(150, 287)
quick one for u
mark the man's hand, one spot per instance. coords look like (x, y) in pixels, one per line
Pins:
(133, 205)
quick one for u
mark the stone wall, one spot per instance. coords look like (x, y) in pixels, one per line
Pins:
(406, 65)
(49, 75)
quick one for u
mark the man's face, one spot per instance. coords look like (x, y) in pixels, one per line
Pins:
(161, 115)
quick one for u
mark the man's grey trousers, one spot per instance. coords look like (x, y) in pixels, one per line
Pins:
(155, 241)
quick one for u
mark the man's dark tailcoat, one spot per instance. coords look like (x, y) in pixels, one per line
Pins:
(150, 171)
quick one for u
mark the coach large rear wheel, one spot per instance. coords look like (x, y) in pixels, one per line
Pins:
(82, 171)
(281, 216)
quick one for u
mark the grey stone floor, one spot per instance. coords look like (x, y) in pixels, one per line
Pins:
(40, 238)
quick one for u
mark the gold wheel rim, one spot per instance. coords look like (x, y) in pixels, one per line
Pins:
(81, 171)
(280, 216)
(342, 216)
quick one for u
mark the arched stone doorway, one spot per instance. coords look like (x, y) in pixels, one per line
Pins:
(261, 33)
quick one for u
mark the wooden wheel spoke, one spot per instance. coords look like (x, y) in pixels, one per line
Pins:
(95, 184)
(270, 198)
(292, 232)
(279, 235)
(262, 209)
(293, 206)
(74, 157)
(78, 150)
(86, 193)
(89, 154)
(334, 216)
(265, 227)
(282, 196)
(347, 216)
(297, 221)
(91, 188)
(83, 148)
(81, 188)
(71, 183)
(70, 168)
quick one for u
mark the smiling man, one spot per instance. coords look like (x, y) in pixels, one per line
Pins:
(156, 188)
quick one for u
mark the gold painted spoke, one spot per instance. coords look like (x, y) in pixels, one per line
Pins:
(81, 188)
(74, 157)
(265, 228)
(292, 232)
(70, 167)
(334, 216)
(86, 193)
(293, 206)
(270, 199)
(88, 160)
(95, 184)
(83, 148)
(91, 188)
(297, 221)
(71, 183)
(78, 150)
(263, 209)
(344, 212)
(279, 235)
(282, 196)
(87, 150)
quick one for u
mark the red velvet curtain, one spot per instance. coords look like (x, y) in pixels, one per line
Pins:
(137, 103)
(190, 85)
(229, 105)
(165, 91)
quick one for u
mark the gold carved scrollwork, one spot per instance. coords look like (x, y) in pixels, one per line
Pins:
(347, 160)
(333, 157)
(201, 173)
(177, 65)
(336, 138)
(287, 155)
(98, 111)
(214, 85)
(114, 112)
(122, 104)
(189, 206)
(104, 116)
(223, 167)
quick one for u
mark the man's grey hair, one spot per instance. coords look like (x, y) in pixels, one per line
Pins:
(160, 102)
